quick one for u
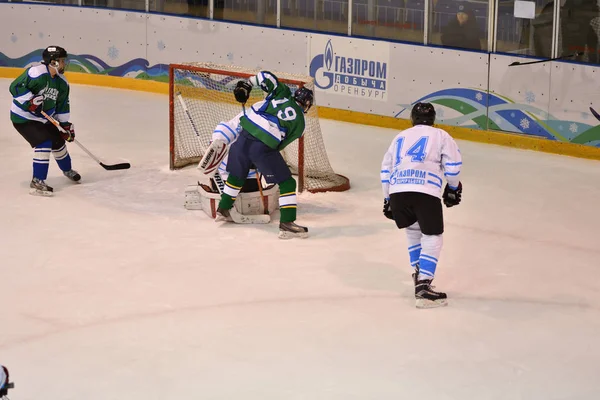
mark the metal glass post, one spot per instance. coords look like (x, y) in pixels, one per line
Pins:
(492, 23)
(147, 5)
(556, 31)
(426, 23)
(349, 17)
(279, 13)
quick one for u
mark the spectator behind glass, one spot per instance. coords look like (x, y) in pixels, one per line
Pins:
(463, 31)
(577, 30)
(542, 31)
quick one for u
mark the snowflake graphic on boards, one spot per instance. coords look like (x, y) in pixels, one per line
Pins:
(573, 128)
(440, 113)
(524, 123)
(512, 114)
(41, 35)
(479, 96)
(113, 52)
(161, 45)
(230, 57)
(13, 38)
(529, 96)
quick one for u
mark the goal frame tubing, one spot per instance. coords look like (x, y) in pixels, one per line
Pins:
(173, 67)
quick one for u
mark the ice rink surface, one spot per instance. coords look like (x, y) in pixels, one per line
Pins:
(112, 290)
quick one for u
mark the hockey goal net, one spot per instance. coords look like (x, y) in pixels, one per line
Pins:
(201, 96)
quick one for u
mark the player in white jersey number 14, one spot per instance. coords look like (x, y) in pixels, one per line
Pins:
(5, 382)
(412, 175)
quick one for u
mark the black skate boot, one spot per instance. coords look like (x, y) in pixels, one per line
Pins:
(72, 175)
(38, 187)
(426, 297)
(223, 214)
(415, 274)
(290, 230)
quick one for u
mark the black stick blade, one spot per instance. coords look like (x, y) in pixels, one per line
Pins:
(595, 113)
(514, 63)
(115, 167)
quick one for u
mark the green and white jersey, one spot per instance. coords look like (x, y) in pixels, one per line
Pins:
(278, 120)
(34, 81)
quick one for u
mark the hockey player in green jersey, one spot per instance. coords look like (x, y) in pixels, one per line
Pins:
(44, 88)
(267, 127)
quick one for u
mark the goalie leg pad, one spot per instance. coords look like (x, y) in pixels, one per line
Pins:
(251, 203)
(201, 197)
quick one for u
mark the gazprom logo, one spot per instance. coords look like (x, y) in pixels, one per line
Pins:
(349, 75)
(328, 55)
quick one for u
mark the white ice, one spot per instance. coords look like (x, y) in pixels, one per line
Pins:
(112, 290)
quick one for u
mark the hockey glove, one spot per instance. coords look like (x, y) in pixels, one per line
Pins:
(36, 104)
(242, 91)
(387, 209)
(69, 135)
(452, 197)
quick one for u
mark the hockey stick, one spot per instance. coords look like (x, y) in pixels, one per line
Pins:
(108, 167)
(262, 196)
(187, 112)
(517, 63)
(216, 177)
(595, 113)
(219, 182)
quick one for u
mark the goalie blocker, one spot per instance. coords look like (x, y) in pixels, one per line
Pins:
(206, 198)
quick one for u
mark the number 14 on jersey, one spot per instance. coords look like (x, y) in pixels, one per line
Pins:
(416, 151)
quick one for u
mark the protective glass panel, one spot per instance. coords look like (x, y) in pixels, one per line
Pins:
(459, 24)
(389, 19)
(580, 30)
(317, 15)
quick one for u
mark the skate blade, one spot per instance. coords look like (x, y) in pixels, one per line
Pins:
(291, 235)
(41, 193)
(424, 303)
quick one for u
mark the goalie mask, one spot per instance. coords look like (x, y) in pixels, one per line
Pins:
(55, 57)
(304, 97)
(423, 114)
(5, 384)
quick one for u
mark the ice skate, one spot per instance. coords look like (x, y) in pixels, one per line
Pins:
(426, 297)
(290, 230)
(38, 187)
(72, 175)
(223, 215)
(415, 274)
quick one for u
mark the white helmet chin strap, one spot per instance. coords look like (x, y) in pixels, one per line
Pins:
(55, 65)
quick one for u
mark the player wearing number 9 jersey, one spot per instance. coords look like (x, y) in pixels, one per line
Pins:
(267, 127)
(412, 175)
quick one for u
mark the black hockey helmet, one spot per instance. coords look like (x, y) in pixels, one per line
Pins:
(422, 114)
(5, 383)
(304, 97)
(53, 53)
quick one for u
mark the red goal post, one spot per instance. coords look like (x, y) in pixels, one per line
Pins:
(201, 96)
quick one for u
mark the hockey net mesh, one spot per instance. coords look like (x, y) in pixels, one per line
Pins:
(206, 90)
